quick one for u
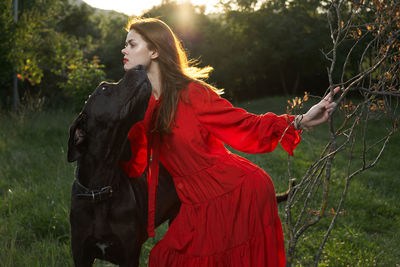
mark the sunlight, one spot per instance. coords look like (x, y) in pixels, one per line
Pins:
(184, 14)
(210, 4)
(137, 7)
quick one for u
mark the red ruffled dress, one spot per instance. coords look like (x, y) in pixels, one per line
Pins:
(229, 214)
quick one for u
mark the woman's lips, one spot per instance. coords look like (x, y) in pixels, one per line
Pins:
(125, 60)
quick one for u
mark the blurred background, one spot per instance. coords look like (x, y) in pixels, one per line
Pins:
(58, 51)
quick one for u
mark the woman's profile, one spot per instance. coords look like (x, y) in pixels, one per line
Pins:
(228, 215)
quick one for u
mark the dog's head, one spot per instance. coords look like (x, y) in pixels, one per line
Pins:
(109, 113)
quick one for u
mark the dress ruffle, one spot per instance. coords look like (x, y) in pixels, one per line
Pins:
(238, 228)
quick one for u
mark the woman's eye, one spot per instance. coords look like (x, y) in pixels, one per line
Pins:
(129, 44)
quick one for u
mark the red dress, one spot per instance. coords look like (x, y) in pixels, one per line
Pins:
(229, 214)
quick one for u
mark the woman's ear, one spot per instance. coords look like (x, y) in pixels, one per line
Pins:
(154, 54)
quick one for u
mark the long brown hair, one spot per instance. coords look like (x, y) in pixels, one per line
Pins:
(176, 70)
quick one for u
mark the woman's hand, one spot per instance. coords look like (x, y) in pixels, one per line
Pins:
(317, 114)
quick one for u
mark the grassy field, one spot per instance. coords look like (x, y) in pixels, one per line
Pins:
(35, 182)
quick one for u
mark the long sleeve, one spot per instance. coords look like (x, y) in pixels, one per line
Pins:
(138, 145)
(239, 129)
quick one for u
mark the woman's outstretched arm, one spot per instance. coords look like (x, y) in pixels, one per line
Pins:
(318, 113)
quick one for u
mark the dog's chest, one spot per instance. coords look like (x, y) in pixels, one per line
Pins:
(102, 247)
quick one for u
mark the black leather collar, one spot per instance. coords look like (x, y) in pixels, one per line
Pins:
(82, 192)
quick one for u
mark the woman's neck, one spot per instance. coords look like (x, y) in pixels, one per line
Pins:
(155, 79)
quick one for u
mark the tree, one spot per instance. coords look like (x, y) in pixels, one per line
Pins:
(6, 40)
(44, 53)
(366, 35)
(111, 28)
(271, 49)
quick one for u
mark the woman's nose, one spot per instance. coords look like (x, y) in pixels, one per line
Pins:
(123, 51)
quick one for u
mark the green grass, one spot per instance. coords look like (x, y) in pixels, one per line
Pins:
(35, 182)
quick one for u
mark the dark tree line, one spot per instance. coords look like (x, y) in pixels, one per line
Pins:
(55, 50)
(62, 50)
(274, 49)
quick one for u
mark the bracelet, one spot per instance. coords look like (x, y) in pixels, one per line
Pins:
(297, 122)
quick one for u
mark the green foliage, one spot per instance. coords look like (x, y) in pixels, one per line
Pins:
(111, 28)
(31, 34)
(83, 77)
(273, 49)
(257, 48)
(6, 39)
(50, 46)
(76, 20)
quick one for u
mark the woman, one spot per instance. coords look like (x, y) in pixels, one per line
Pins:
(229, 213)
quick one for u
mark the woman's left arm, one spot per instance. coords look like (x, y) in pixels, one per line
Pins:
(318, 113)
(238, 128)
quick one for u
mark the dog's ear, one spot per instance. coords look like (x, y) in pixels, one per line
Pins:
(76, 138)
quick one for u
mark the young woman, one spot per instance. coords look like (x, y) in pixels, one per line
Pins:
(229, 214)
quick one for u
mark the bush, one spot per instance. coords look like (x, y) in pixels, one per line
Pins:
(83, 78)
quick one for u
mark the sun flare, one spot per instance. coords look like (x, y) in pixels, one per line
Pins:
(137, 7)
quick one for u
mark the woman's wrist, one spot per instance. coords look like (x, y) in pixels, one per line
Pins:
(300, 122)
(297, 122)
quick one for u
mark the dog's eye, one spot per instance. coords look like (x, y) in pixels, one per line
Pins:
(105, 90)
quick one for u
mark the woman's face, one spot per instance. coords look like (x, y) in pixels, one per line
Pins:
(136, 52)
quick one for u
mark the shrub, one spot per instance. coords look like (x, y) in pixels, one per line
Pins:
(83, 77)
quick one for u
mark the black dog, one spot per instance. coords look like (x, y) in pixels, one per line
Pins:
(108, 214)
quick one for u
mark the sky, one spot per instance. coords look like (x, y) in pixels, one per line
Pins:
(136, 7)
